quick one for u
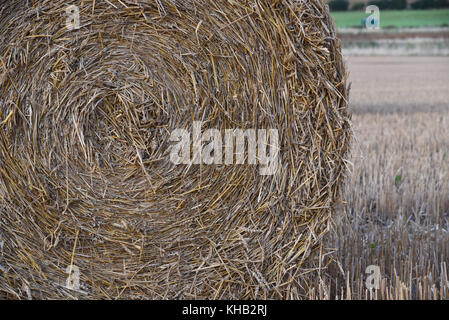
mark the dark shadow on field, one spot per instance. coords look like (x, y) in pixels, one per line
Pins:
(395, 108)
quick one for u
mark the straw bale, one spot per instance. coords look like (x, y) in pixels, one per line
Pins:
(86, 181)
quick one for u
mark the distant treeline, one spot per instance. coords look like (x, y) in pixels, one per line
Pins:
(344, 5)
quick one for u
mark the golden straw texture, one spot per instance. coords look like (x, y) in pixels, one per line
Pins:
(85, 174)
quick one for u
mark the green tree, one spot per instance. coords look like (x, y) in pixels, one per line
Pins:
(429, 4)
(382, 4)
(398, 4)
(339, 5)
(441, 3)
(357, 6)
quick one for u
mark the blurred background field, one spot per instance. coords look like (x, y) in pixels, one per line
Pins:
(410, 31)
(396, 209)
(395, 18)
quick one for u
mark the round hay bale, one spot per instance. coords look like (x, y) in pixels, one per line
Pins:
(88, 188)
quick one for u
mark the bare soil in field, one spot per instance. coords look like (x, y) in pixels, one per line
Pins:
(363, 35)
(399, 84)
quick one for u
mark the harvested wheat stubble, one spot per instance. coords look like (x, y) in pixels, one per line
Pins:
(86, 116)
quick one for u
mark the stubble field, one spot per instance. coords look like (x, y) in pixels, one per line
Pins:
(396, 210)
